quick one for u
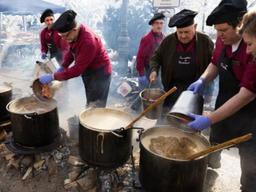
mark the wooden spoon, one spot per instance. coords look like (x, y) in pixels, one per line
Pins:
(221, 146)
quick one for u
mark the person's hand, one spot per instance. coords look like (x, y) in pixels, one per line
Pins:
(43, 56)
(143, 82)
(46, 79)
(153, 77)
(60, 69)
(197, 86)
(200, 122)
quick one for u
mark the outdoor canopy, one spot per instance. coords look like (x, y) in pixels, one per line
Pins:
(28, 7)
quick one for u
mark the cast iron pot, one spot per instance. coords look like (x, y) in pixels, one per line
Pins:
(5, 98)
(34, 123)
(99, 144)
(162, 174)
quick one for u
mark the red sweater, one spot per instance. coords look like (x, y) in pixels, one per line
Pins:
(148, 44)
(88, 53)
(45, 38)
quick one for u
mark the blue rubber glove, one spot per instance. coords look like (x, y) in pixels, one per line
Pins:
(197, 86)
(200, 122)
(60, 69)
(143, 82)
(46, 79)
(44, 56)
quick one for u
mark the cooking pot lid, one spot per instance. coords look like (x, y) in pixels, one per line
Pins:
(200, 142)
(5, 88)
(104, 119)
(28, 105)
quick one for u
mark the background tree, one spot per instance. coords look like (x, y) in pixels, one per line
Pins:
(138, 17)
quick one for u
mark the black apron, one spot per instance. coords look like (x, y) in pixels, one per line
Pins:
(241, 122)
(53, 50)
(51, 46)
(184, 73)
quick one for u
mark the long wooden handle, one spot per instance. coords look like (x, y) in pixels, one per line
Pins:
(221, 146)
(151, 106)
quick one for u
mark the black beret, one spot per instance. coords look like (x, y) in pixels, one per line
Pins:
(46, 13)
(226, 11)
(65, 22)
(182, 19)
(156, 17)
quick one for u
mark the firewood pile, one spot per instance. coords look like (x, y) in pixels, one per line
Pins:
(86, 178)
(30, 165)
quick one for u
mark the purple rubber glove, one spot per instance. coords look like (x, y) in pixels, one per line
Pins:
(197, 86)
(60, 69)
(143, 82)
(200, 122)
(46, 79)
(43, 56)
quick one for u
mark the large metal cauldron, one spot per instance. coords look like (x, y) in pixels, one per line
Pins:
(99, 145)
(34, 123)
(5, 98)
(162, 174)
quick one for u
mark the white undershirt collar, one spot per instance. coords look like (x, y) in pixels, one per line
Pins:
(235, 46)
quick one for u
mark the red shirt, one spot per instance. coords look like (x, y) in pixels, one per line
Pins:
(148, 44)
(88, 52)
(245, 71)
(47, 35)
(190, 47)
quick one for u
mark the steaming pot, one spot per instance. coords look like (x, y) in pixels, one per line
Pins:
(34, 123)
(162, 174)
(99, 144)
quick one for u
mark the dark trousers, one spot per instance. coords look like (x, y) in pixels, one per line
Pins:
(96, 84)
(247, 152)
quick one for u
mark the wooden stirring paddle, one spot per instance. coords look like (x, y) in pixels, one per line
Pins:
(221, 146)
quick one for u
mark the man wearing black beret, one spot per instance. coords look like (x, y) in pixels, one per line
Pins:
(51, 42)
(148, 44)
(235, 107)
(90, 59)
(182, 56)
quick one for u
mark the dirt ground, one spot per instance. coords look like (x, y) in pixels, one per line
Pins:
(10, 180)
(222, 180)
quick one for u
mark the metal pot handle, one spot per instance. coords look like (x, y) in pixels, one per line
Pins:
(117, 132)
(140, 131)
(100, 144)
(29, 117)
(8, 106)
